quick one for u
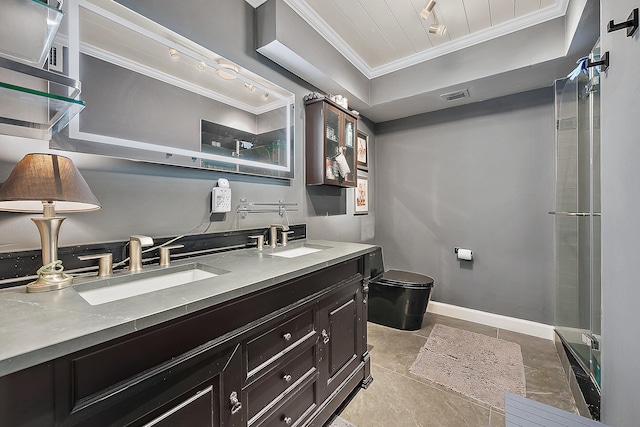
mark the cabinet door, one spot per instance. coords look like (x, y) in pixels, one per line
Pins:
(200, 388)
(332, 143)
(341, 346)
(349, 131)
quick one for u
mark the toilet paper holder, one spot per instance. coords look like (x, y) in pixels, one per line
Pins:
(463, 254)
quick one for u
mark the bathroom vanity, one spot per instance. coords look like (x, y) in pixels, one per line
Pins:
(273, 341)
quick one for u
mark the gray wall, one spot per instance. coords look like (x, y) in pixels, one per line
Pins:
(479, 176)
(163, 200)
(620, 153)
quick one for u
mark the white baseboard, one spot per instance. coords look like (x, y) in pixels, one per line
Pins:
(526, 327)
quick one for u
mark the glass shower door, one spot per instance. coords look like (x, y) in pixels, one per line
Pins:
(577, 216)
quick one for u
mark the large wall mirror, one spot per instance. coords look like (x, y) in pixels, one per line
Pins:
(155, 96)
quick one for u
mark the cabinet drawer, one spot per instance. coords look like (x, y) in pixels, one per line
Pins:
(269, 390)
(294, 412)
(263, 349)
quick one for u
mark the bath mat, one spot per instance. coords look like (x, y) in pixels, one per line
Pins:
(341, 422)
(473, 364)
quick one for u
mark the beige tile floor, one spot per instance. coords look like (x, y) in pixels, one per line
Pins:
(398, 398)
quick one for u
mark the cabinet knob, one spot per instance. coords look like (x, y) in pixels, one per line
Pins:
(286, 377)
(287, 420)
(236, 405)
(325, 336)
(287, 336)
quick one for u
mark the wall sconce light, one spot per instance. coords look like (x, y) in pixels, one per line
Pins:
(174, 54)
(228, 66)
(426, 12)
(44, 183)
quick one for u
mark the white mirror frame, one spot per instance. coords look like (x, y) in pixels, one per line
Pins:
(76, 47)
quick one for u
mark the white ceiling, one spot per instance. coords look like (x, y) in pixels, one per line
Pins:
(380, 54)
(382, 36)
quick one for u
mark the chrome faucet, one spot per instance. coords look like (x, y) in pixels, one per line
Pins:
(273, 233)
(136, 243)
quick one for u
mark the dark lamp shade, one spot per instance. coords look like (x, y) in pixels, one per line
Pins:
(41, 178)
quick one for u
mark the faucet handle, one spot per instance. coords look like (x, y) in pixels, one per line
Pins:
(165, 254)
(260, 241)
(144, 240)
(285, 237)
(105, 263)
(283, 227)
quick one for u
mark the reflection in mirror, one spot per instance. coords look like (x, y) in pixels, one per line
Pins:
(156, 96)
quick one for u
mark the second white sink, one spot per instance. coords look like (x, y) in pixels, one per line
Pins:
(295, 252)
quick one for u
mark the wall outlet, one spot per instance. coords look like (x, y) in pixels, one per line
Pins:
(221, 199)
(56, 58)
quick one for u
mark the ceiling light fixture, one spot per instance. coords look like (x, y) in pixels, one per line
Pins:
(265, 96)
(250, 87)
(437, 28)
(226, 65)
(201, 65)
(424, 14)
(174, 54)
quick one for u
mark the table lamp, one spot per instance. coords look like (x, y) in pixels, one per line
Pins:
(46, 183)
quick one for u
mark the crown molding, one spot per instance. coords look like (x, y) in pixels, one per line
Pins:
(306, 12)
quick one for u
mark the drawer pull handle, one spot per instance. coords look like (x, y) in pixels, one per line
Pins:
(286, 378)
(287, 336)
(287, 420)
(325, 336)
(236, 405)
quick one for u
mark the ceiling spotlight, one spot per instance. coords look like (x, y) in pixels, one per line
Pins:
(424, 14)
(201, 65)
(174, 54)
(250, 87)
(265, 96)
(228, 66)
(437, 28)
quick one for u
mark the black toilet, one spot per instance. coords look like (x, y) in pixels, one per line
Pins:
(397, 299)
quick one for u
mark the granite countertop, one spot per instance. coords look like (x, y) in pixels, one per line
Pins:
(39, 327)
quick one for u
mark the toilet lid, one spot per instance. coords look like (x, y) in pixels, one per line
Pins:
(407, 278)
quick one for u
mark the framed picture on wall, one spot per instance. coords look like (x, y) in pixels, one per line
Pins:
(362, 145)
(362, 195)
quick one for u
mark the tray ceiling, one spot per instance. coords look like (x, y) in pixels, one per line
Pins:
(382, 36)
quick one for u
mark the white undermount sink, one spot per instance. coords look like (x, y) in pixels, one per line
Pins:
(299, 251)
(130, 285)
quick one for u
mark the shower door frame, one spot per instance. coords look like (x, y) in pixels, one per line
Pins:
(582, 341)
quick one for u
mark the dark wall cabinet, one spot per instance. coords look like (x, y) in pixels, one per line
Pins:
(330, 134)
(288, 355)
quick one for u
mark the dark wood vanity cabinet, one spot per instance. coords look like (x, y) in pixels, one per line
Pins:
(287, 355)
(330, 135)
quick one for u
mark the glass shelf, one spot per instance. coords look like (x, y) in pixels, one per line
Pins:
(35, 103)
(27, 29)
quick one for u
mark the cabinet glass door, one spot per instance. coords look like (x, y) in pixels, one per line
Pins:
(332, 144)
(349, 146)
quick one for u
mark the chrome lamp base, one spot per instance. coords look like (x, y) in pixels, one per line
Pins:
(50, 282)
(50, 279)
